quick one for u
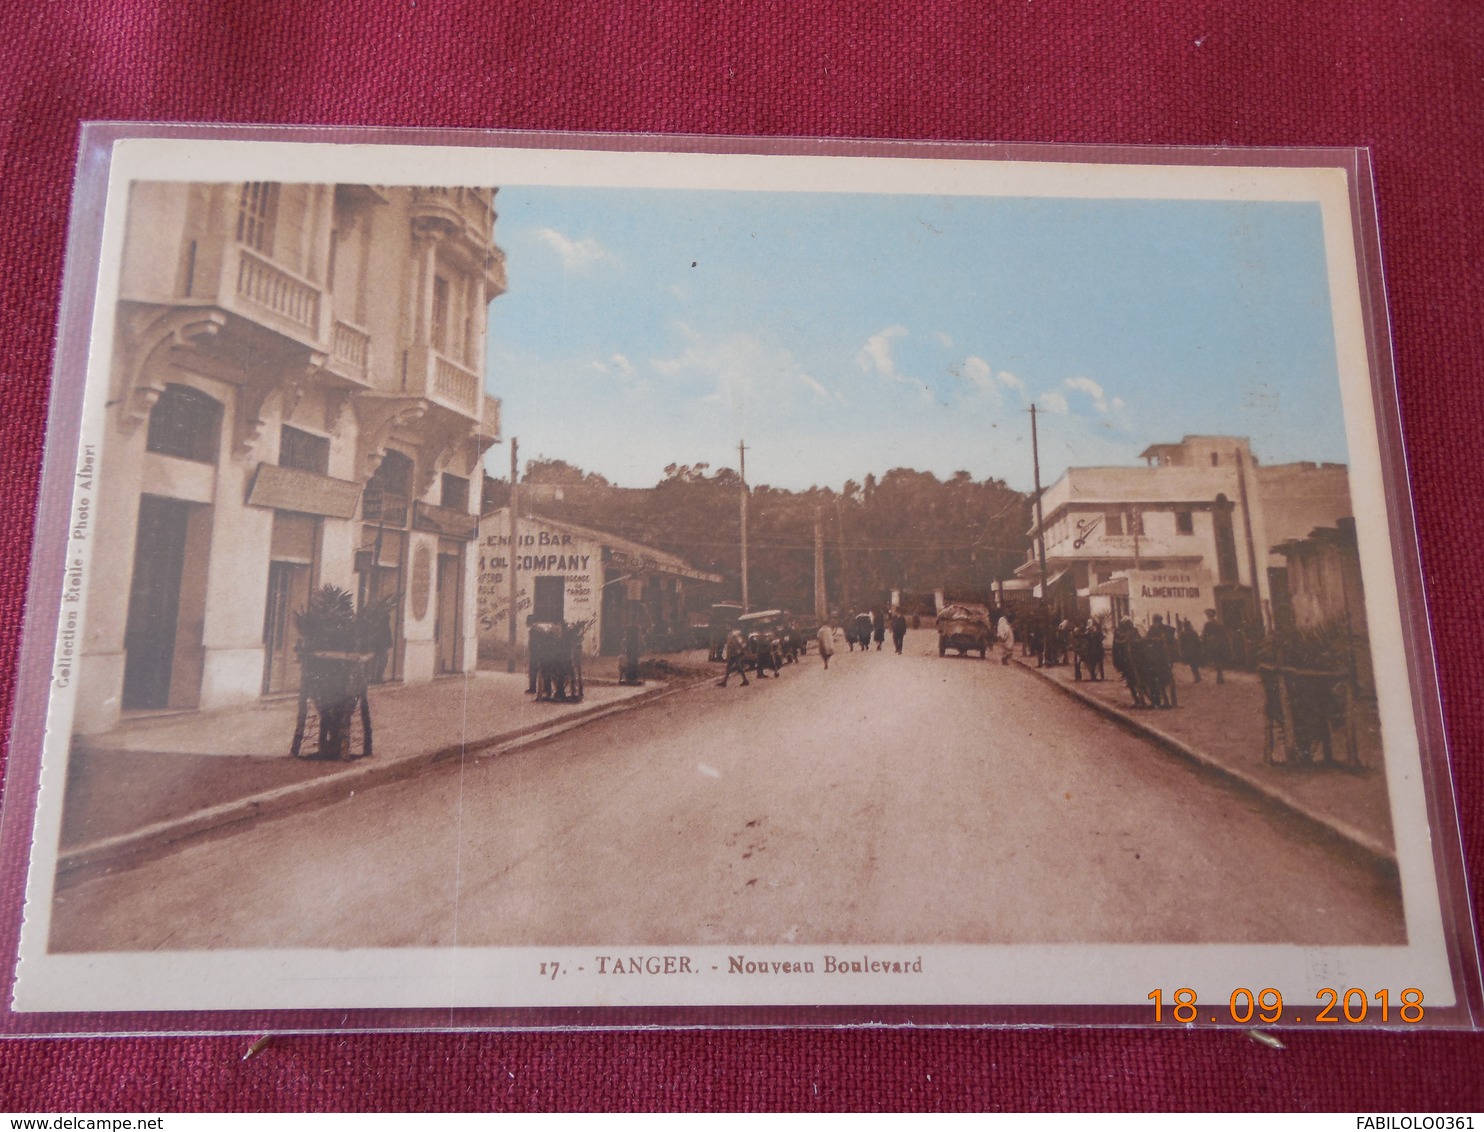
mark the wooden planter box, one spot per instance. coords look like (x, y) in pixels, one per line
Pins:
(1308, 712)
(332, 701)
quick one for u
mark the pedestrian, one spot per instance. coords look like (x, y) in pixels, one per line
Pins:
(878, 627)
(1005, 636)
(1092, 648)
(826, 639)
(1190, 649)
(898, 630)
(1214, 645)
(1124, 636)
(863, 630)
(737, 656)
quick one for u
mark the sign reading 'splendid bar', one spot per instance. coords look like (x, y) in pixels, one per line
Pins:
(679, 742)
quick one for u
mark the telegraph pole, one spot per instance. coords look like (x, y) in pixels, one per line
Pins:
(510, 558)
(1040, 538)
(742, 461)
(1257, 606)
(821, 603)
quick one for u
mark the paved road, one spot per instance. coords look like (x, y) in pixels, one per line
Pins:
(891, 799)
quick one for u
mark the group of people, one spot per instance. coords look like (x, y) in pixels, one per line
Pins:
(872, 625)
(862, 629)
(1208, 647)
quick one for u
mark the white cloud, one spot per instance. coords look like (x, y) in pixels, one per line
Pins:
(748, 375)
(978, 372)
(817, 389)
(876, 353)
(576, 255)
(616, 365)
(1053, 403)
(1007, 378)
(1093, 390)
(944, 340)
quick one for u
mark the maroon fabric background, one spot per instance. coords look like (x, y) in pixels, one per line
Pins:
(1405, 78)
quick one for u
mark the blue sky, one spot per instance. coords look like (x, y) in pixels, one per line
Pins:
(847, 333)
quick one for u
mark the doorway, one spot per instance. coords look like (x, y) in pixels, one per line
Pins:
(291, 572)
(448, 625)
(163, 653)
(550, 600)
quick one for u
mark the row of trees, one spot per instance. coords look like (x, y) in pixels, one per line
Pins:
(907, 530)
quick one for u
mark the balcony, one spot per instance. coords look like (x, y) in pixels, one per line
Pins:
(489, 419)
(272, 291)
(350, 352)
(469, 211)
(443, 381)
(275, 290)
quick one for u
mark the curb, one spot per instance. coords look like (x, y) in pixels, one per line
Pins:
(83, 860)
(1378, 855)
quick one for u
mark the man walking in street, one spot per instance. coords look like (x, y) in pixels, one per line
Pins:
(1214, 644)
(826, 639)
(1190, 649)
(1005, 636)
(898, 630)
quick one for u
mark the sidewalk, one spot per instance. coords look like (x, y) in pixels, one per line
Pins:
(157, 779)
(1220, 727)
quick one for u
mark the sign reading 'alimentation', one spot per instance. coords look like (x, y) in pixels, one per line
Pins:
(1185, 593)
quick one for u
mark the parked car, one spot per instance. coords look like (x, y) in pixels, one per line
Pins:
(964, 627)
(724, 615)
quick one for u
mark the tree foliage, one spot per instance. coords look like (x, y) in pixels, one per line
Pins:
(907, 530)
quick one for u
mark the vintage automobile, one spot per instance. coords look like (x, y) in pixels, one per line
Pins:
(767, 633)
(964, 627)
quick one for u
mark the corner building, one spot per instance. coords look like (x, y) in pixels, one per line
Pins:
(1199, 526)
(297, 399)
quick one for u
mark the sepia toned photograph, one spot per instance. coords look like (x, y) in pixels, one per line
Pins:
(596, 578)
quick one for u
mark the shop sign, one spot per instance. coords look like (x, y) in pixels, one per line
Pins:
(290, 489)
(1184, 593)
(446, 521)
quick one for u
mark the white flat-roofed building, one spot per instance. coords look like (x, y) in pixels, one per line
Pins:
(1193, 529)
(297, 399)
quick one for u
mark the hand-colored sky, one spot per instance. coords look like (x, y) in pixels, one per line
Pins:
(842, 334)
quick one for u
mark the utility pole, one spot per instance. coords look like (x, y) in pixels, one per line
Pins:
(742, 462)
(844, 561)
(514, 531)
(1040, 538)
(1257, 605)
(821, 603)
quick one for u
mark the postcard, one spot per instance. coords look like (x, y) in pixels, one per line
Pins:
(531, 580)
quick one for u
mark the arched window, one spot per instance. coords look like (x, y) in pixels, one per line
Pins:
(388, 495)
(187, 424)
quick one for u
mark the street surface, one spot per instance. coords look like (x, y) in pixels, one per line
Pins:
(890, 799)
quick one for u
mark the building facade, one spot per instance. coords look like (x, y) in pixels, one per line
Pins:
(1193, 529)
(565, 572)
(298, 399)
